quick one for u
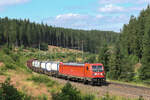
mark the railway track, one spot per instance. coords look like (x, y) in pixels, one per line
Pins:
(132, 90)
(114, 89)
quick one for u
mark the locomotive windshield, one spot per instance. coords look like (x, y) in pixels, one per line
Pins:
(97, 68)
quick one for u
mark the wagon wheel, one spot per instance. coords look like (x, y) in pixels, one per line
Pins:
(85, 81)
(92, 83)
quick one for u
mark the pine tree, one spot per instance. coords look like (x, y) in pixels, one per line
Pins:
(104, 57)
(145, 69)
(115, 62)
(1, 32)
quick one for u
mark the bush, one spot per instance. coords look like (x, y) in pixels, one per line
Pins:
(21, 48)
(43, 97)
(43, 46)
(8, 92)
(91, 59)
(10, 66)
(6, 50)
(68, 92)
(72, 59)
(15, 57)
(140, 98)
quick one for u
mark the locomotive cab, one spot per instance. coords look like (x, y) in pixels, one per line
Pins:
(98, 71)
(95, 73)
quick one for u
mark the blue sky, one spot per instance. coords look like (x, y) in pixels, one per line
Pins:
(77, 14)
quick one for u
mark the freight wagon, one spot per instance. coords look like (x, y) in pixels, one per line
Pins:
(87, 73)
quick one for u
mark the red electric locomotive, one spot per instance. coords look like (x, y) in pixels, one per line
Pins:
(93, 73)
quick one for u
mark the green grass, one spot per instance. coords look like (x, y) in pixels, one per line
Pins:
(42, 97)
(42, 79)
(131, 83)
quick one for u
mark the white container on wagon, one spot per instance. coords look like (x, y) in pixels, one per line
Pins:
(55, 66)
(33, 63)
(37, 64)
(43, 65)
(48, 66)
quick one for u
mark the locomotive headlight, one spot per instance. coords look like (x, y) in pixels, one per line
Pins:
(94, 74)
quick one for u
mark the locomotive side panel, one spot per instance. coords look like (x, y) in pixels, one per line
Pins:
(88, 71)
(72, 70)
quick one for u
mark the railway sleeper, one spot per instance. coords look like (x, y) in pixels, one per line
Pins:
(98, 81)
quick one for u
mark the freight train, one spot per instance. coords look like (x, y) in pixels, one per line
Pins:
(86, 73)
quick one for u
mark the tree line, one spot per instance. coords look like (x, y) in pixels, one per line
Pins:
(31, 34)
(129, 59)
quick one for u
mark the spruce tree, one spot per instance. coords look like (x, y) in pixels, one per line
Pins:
(104, 57)
(115, 63)
(145, 69)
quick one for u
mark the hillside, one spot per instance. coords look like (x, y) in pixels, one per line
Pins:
(56, 49)
(13, 65)
(40, 87)
(28, 34)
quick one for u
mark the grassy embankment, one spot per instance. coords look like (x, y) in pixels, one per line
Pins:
(13, 65)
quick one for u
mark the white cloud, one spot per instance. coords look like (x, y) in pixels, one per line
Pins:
(118, 12)
(5, 3)
(123, 1)
(69, 20)
(88, 22)
(111, 8)
(143, 1)
(135, 9)
(112, 1)
(11, 2)
(99, 16)
(67, 16)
